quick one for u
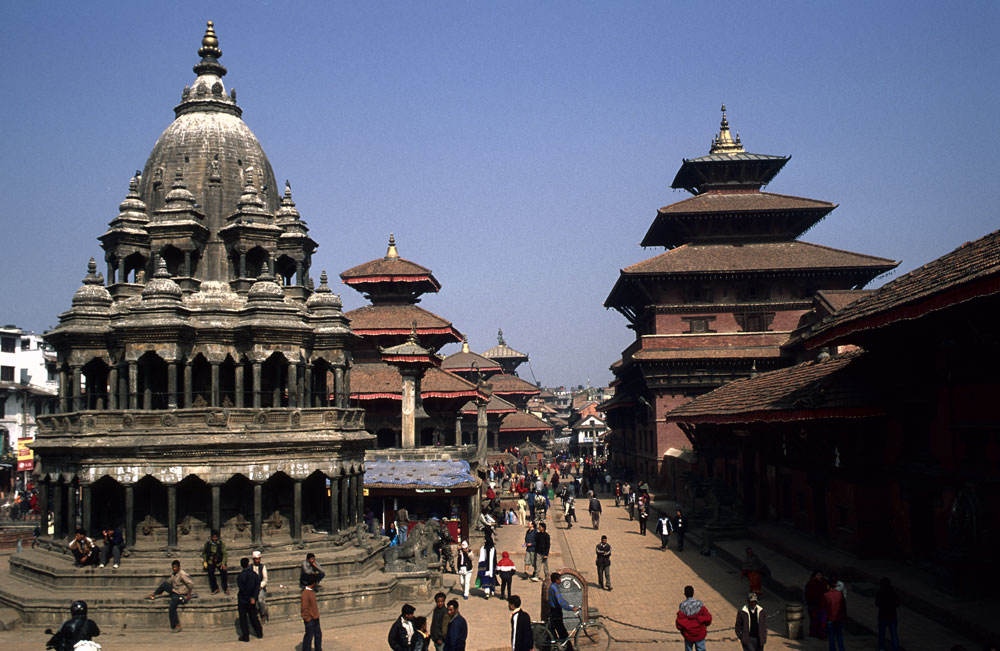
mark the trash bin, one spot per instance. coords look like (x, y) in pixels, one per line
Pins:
(793, 621)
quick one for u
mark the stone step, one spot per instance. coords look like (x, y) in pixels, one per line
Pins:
(9, 619)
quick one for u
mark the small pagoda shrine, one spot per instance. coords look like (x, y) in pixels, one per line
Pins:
(718, 304)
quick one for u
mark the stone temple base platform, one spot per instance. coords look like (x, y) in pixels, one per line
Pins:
(41, 583)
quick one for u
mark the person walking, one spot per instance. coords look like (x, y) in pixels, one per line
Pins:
(836, 612)
(248, 587)
(595, 511)
(642, 516)
(558, 603)
(261, 571)
(604, 564)
(458, 629)
(522, 510)
(214, 558)
(680, 528)
(543, 543)
(887, 601)
(401, 631)
(618, 493)
(693, 620)
(753, 569)
(663, 527)
(439, 621)
(312, 639)
(815, 589)
(179, 588)
(521, 637)
(505, 570)
(529, 550)
(751, 629)
(487, 567)
(464, 569)
(568, 510)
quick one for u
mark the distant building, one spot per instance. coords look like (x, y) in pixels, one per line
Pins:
(718, 304)
(29, 383)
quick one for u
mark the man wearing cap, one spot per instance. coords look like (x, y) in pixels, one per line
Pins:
(261, 571)
(751, 625)
(464, 568)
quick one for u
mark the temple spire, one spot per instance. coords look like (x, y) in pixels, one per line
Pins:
(392, 252)
(210, 53)
(723, 143)
(465, 344)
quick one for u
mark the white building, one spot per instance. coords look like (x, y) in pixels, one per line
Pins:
(29, 383)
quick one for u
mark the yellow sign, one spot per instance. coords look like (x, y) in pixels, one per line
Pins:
(25, 455)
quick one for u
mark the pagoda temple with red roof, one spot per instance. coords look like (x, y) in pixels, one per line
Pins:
(719, 302)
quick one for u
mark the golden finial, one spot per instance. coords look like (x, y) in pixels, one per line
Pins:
(723, 143)
(465, 344)
(210, 43)
(392, 252)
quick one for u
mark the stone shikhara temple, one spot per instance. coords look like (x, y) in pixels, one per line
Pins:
(204, 385)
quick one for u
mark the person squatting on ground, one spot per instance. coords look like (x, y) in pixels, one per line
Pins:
(214, 558)
(663, 528)
(464, 569)
(83, 549)
(439, 621)
(604, 564)
(261, 571)
(311, 567)
(313, 637)
(180, 588)
(505, 571)
(557, 603)
(542, 545)
(458, 629)
(529, 550)
(76, 629)
(112, 548)
(595, 511)
(521, 637)
(248, 587)
(693, 620)
(751, 625)
(401, 631)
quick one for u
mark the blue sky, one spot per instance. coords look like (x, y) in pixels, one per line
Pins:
(518, 149)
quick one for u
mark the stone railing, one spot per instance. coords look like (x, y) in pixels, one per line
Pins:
(203, 419)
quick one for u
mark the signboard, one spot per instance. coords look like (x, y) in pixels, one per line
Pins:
(573, 587)
(25, 455)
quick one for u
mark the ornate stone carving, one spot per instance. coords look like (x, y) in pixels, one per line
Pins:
(260, 418)
(128, 421)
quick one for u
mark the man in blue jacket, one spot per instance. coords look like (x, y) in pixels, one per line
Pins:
(458, 629)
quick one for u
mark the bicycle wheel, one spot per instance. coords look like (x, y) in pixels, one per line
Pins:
(544, 639)
(592, 637)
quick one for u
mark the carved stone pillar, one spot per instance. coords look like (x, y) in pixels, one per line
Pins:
(334, 504)
(172, 384)
(171, 516)
(122, 276)
(147, 391)
(458, 430)
(65, 404)
(111, 272)
(481, 427)
(71, 524)
(130, 516)
(76, 391)
(359, 511)
(239, 385)
(216, 392)
(338, 388)
(256, 533)
(58, 514)
(344, 519)
(307, 387)
(298, 273)
(133, 385)
(187, 264)
(188, 397)
(113, 388)
(409, 407)
(215, 521)
(243, 264)
(291, 384)
(256, 385)
(86, 504)
(43, 505)
(297, 511)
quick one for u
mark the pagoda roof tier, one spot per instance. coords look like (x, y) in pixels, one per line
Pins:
(750, 215)
(396, 320)
(504, 385)
(836, 387)
(506, 356)
(391, 279)
(377, 380)
(496, 405)
(970, 271)
(467, 361)
(521, 421)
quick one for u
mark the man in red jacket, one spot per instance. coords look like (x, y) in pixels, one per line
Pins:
(836, 613)
(692, 621)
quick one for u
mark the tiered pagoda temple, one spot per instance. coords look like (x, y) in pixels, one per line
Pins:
(718, 304)
(203, 385)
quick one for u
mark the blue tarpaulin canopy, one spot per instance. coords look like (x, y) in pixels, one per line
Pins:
(385, 473)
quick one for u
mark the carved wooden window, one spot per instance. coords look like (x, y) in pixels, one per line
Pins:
(699, 325)
(754, 322)
(698, 294)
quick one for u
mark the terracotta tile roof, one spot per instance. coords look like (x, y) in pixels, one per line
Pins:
(398, 320)
(520, 421)
(373, 381)
(503, 351)
(496, 405)
(504, 384)
(758, 257)
(389, 269)
(462, 361)
(728, 202)
(837, 299)
(971, 270)
(838, 386)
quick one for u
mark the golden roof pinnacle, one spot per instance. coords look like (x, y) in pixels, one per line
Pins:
(392, 252)
(723, 142)
(210, 43)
